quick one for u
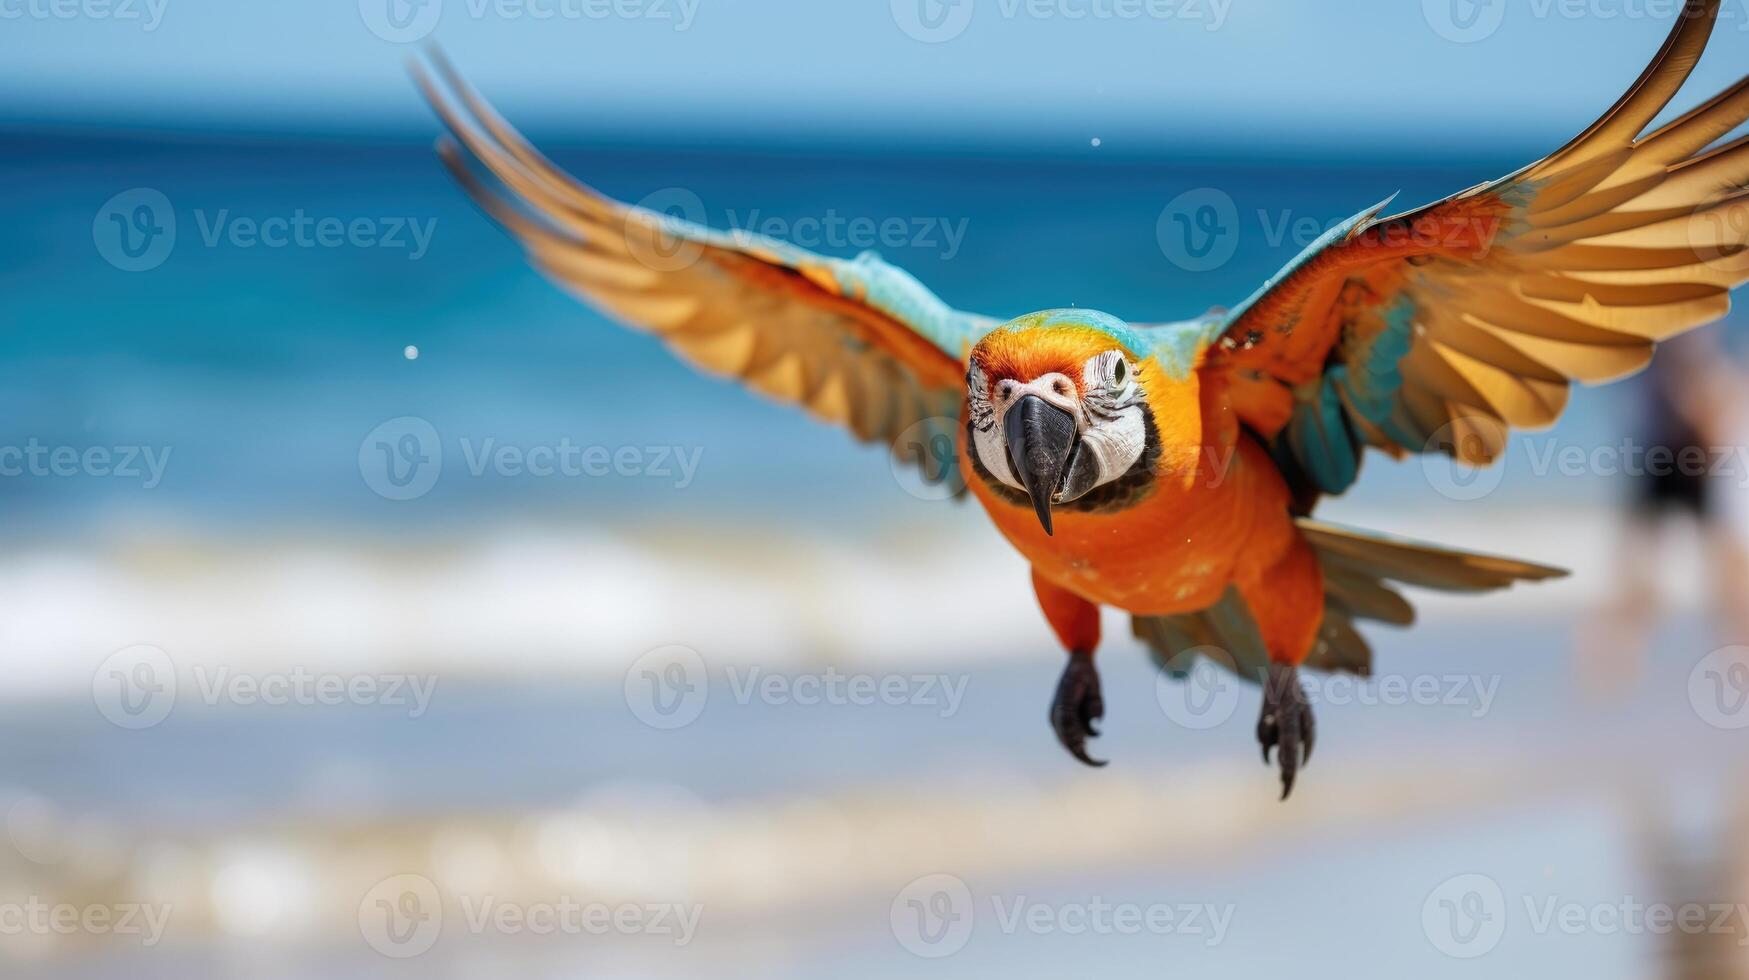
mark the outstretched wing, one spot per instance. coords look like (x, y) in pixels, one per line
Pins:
(1437, 329)
(859, 343)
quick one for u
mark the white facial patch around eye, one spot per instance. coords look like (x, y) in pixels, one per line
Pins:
(988, 442)
(1116, 442)
(1110, 382)
(992, 450)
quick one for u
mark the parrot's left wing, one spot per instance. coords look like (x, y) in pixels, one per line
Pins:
(1437, 329)
(856, 342)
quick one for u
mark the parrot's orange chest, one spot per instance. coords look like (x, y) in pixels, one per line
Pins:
(1172, 550)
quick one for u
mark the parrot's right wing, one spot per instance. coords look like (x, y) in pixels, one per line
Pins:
(856, 342)
(1439, 329)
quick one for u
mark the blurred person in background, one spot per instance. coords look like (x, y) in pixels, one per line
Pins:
(1690, 412)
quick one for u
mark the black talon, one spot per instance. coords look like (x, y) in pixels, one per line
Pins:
(1286, 723)
(1077, 706)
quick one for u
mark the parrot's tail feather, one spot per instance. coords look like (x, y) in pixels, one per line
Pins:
(1347, 554)
(1361, 571)
(1224, 633)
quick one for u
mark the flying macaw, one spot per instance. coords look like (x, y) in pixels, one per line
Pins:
(1170, 469)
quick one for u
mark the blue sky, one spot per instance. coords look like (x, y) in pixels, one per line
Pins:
(1046, 71)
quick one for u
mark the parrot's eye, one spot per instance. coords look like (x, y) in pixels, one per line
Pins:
(1109, 371)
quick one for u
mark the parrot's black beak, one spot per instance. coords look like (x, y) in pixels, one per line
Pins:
(1040, 438)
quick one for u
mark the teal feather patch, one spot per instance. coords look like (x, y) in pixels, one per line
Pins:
(1177, 346)
(1321, 439)
(1372, 387)
(1377, 400)
(898, 294)
(1319, 435)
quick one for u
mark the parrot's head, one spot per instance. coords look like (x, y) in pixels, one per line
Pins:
(1058, 413)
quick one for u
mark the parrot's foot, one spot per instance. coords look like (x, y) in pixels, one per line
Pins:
(1286, 723)
(1077, 706)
